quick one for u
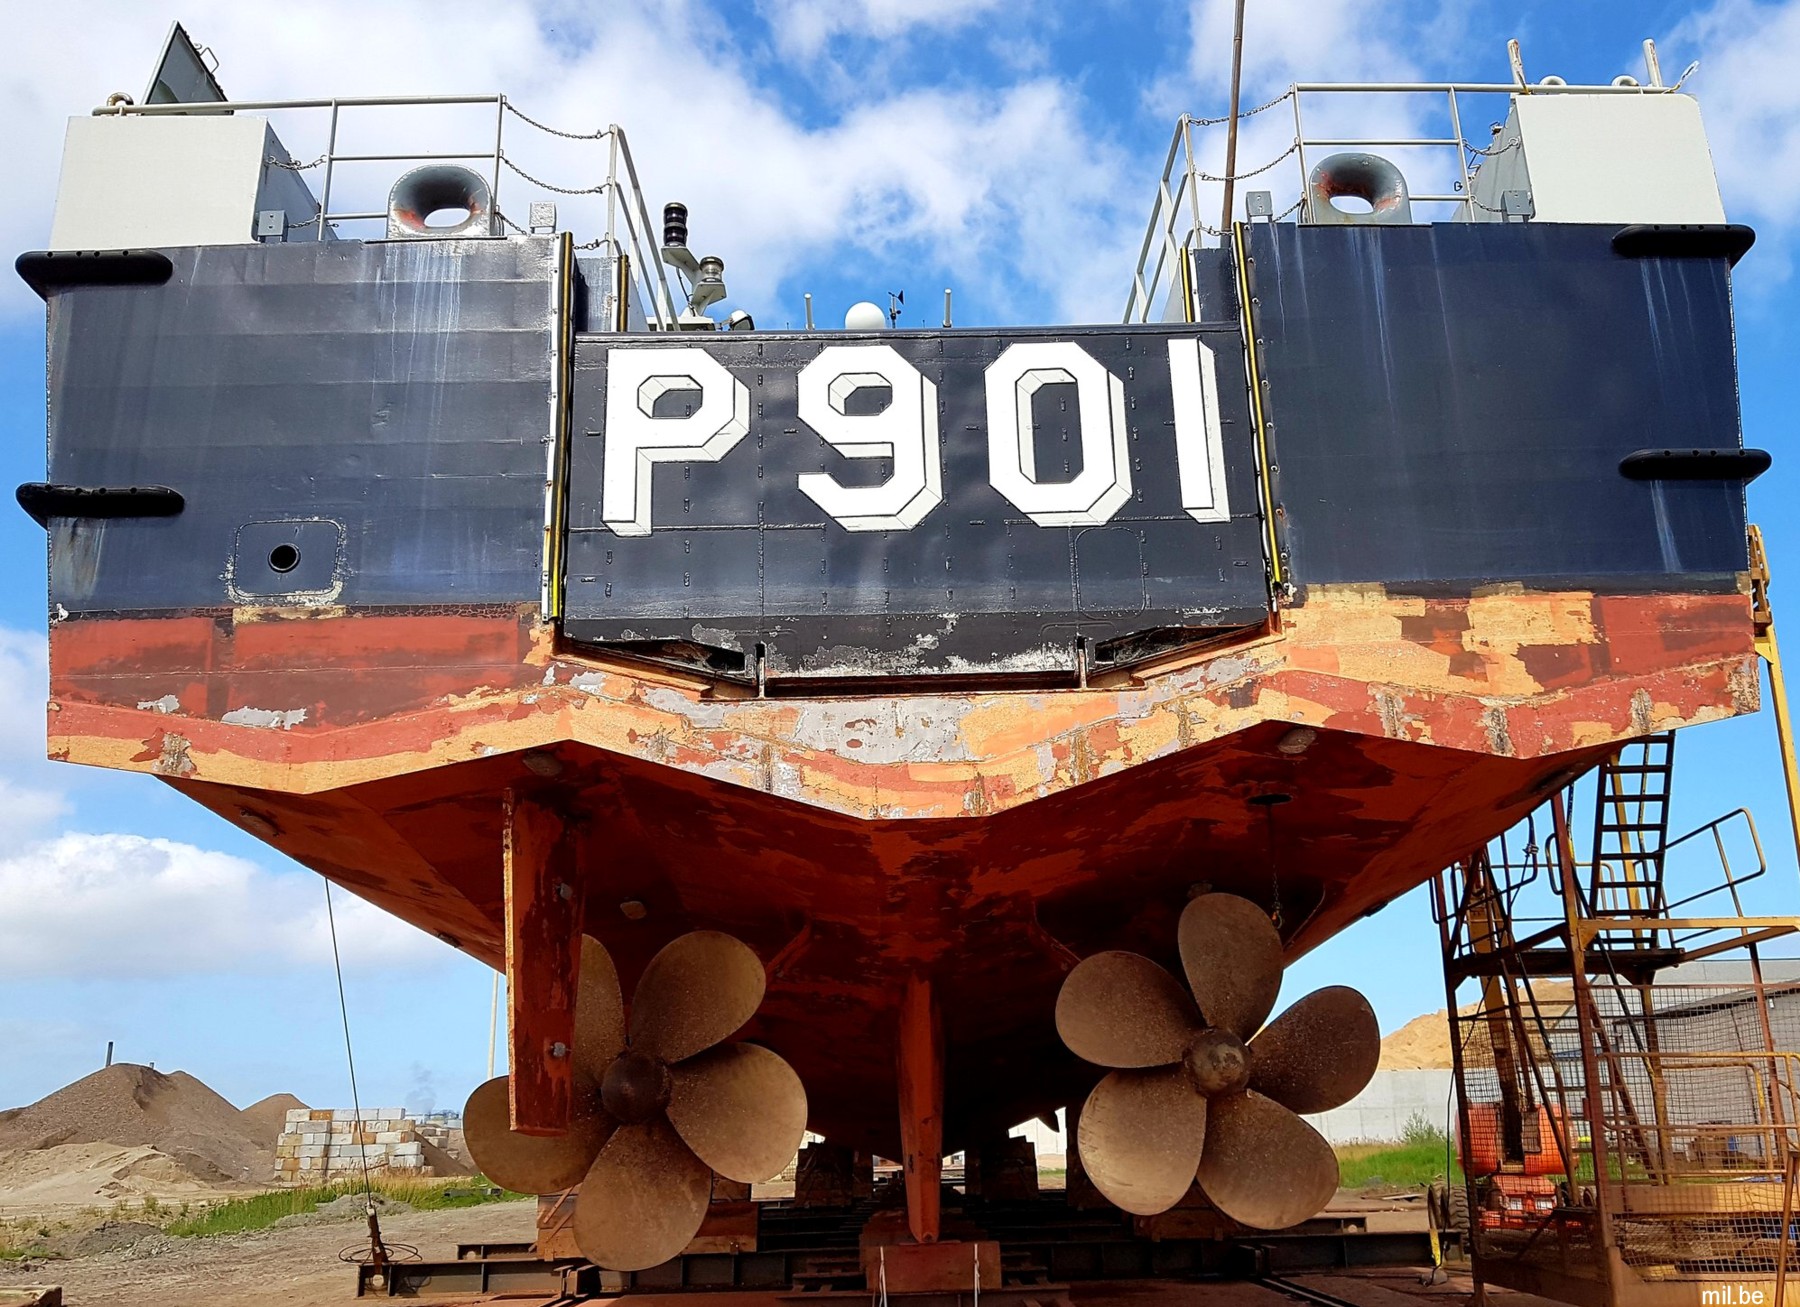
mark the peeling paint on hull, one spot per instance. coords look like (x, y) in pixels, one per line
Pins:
(855, 840)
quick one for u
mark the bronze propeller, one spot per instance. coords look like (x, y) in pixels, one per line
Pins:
(1197, 1093)
(659, 1106)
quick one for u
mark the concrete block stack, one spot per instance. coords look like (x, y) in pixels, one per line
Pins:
(325, 1144)
(444, 1130)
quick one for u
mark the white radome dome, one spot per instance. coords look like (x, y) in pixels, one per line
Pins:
(864, 316)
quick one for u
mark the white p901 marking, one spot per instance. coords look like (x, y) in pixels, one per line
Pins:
(635, 440)
(905, 431)
(1199, 444)
(1104, 483)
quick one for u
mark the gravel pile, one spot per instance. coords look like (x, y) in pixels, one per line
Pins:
(350, 1207)
(131, 1105)
(109, 1237)
(266, 1118)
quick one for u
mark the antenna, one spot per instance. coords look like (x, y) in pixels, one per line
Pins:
(896, 302)
(809, 325)
(946, 308)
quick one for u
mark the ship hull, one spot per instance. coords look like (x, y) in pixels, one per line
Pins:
(986, 840)
(372, 547)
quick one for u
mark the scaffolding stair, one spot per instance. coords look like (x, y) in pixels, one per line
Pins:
(1631, 832)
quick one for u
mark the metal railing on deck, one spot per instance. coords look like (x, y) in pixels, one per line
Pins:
(1178, 213)
(626, 211)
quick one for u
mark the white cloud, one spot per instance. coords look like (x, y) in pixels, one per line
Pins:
(1750, 101)
(1306, 40)
(121, 905)
(24, 687)
(28, 806)
(802, 28)
(1287, 41)
(28, 809)
(1010, 185)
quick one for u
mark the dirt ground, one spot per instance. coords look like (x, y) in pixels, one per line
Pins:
(299, 1267)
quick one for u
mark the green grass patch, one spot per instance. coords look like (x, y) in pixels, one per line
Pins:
(26, 1237)
(259, 1211)
(1394, 1166)
(1422, 1155)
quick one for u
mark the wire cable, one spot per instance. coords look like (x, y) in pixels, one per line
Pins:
(349, 1054)
(379, 1252)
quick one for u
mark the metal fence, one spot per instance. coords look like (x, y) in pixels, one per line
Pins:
(1629, 1073)
(1688, 1157)
(628, 227)
(1439, 150)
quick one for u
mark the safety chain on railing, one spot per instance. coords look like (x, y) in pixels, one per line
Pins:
(1244, 176)
(302, 226)
(600, 135)
(1486, 208)
(290, 165)
(1492, 150)
(560, 190)
(594, 244)
(1284, 214)
(1243, 114)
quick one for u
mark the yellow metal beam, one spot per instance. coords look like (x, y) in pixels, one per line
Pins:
(1589, 929)
(1239, 233)
(1764, 618)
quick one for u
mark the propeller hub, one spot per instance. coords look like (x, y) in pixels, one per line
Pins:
(636, 1087)
(1217, 1062)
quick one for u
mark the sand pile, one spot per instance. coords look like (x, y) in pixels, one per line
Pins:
(266, 1118)
(85, 1175)
(174, 1114)
(443, 1162)
(1424, 1042)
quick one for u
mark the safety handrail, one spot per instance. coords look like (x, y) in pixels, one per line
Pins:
(647, 269)
(1179, 186)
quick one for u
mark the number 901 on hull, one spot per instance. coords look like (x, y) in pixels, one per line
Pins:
(1085, 482)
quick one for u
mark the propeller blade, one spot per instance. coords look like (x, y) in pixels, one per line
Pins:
(1263, 1166)
(696, 993)
(1320, 1053)
(530, 1164)
(1232, 955)
(643, 1200)
(741, 1109)
(1140, 1138)
(599, 1013)
(1120, 1009)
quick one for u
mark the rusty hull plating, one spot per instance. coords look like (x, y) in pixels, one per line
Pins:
(985, 839)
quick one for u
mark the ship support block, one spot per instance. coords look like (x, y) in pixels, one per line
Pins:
(952, 1267)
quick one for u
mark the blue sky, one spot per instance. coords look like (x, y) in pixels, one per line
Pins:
(842, 147)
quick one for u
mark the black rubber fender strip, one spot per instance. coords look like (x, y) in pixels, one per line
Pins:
(1695, 464)
(1667, 240)
(45, 501)
(47, 271)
